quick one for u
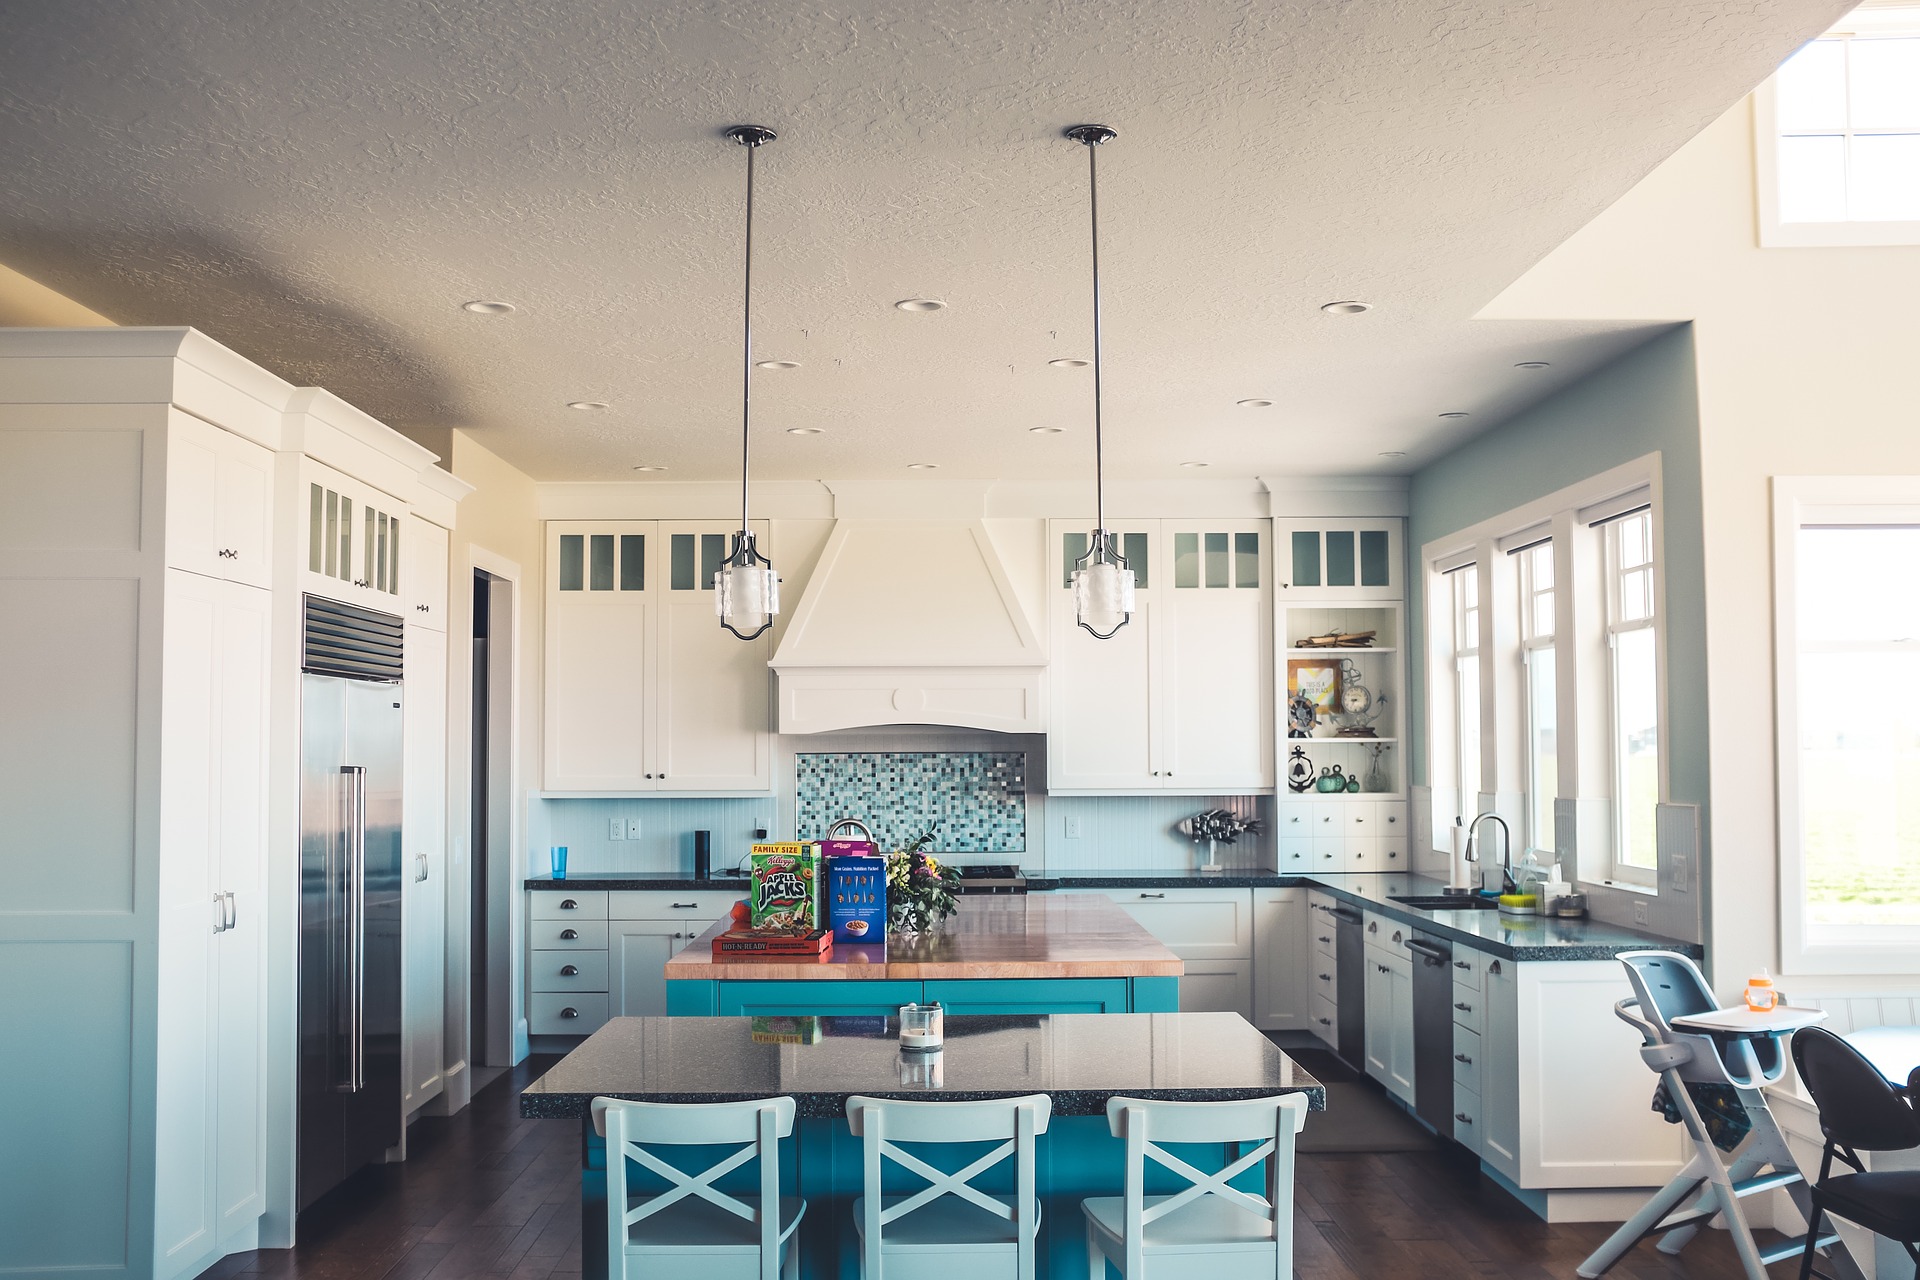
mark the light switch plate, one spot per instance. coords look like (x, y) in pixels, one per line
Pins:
(616, 828)
(633, 828)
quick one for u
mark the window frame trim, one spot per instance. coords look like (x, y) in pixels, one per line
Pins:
(1861, 500)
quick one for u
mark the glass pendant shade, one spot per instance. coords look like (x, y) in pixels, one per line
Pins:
(746, 590)
(1102, 588)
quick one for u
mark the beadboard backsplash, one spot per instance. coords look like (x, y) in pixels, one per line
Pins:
(1124, 833)
(975, 802)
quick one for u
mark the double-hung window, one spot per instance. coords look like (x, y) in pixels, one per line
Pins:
(1633, 691)
(1465, 584)
(1542, 690)
(1848, 661)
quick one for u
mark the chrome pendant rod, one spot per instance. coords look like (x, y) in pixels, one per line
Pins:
(1092, 136)
(752, 137)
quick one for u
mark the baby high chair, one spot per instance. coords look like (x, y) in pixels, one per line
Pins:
(1688, 1039)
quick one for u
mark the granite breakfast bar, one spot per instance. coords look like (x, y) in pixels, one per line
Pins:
(1020, 954)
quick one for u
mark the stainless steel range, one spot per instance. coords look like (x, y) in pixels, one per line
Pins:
(991, 877)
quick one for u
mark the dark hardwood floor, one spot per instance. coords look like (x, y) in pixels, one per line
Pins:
(487, 1194)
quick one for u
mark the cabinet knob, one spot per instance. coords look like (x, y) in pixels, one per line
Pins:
(1463, 1117)
(1391, 855)
(568, 904)
(569, 1013)
(568, 935)
(569, 971)
(1461, 1057)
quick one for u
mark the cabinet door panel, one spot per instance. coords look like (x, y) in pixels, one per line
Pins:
(243, 512)
(713, 701)
(1217, 661)
(1340, 559)
(1282, 949)
(637, 956)
(595, 719)
(424, 861)
(1500, 1066)
(1101, 734)
(992, 996)
(424, 555)
(1400, 1058)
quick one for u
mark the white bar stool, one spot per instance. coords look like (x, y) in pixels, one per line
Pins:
(1209, 1229)
(956, 1230)
(709, 1234)
(1687, 1038)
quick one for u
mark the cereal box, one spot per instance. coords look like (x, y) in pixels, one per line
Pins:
(857, 897)
(786, 887)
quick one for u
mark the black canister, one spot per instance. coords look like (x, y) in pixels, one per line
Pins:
(703, 855)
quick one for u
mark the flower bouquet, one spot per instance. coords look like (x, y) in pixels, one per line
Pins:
(920, 892)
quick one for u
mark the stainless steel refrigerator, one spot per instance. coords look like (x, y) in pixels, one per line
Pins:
(350, 886)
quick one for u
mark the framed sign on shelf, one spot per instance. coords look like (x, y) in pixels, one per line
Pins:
(1318, 680)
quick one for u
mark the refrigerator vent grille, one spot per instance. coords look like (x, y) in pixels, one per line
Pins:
(345, 640)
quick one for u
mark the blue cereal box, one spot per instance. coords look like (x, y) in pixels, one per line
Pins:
(857, 897)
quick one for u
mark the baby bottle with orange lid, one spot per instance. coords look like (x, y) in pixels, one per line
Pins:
(1760, 994)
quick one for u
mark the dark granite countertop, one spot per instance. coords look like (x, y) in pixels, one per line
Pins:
(1078, 1060)
(1509, 937)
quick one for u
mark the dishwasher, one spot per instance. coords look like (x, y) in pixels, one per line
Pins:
(1432, 1031)
(1350, 973)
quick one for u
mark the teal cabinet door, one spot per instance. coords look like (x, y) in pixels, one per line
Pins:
(845, 999)
(1029, 995)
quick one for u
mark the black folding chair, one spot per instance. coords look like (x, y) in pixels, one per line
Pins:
(1859, 1111)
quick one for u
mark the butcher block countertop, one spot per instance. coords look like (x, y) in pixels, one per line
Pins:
(1035, 935)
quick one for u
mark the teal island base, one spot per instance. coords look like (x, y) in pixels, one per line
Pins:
(882, 997)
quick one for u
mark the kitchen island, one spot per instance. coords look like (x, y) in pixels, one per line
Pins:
(1079, 1062)
(1012, 954)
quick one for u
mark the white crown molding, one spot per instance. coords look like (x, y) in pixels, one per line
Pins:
(680, 500)
(1364, 497)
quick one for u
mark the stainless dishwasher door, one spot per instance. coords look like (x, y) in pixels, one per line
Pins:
(1433, 1032)
(1349, 954)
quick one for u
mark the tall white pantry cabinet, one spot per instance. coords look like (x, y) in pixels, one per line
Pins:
(145, 530)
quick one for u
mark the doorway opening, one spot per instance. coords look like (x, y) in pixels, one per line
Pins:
(490, 820)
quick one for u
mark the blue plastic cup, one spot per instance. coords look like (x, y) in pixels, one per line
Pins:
(559, 852)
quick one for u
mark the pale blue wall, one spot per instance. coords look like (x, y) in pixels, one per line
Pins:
(1644, 402)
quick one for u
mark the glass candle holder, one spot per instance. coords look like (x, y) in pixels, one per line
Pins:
(922, 1028)
(922, 1069)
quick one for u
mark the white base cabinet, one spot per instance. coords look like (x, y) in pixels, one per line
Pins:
(595, 954)
(1211, 929)
(1282, 951)
(423, 847)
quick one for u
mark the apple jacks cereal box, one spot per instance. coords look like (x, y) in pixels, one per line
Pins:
(786, 887)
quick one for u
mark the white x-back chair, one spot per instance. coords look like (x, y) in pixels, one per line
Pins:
(949, 1228)
(1209, 1229)
(692, 1230)
(1667, 986)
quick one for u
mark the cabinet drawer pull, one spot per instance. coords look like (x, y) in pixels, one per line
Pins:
(1463, 1117)
(421, 608)
(568, 904)
(1153, 895)
(1463, 1006)
(1326, 977)
(569, 971)
(1461, 1057)
(1325, 1023)
(686, 906)
(229, 553)
(569, 1013)
(1373, 928)
(1463, 964)
(1323, 938)
(568, 935)
(1494, 967)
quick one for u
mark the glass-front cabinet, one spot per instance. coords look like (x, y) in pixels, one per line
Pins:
(644, 690)
(1340, 559)
(353, 540)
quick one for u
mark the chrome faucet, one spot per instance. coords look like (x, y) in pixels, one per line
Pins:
(1507, 884)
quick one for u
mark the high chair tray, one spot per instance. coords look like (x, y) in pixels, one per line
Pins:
(1740, 1020)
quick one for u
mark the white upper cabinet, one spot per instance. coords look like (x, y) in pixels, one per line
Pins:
(1340, 559)
(1181, 698)
(354, 548)
(644, 690)
(219, 502)
(423, 571)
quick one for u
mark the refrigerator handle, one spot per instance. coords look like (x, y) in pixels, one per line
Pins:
(356, 840)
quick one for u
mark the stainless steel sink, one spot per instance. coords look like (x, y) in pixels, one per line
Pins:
(1446, 902)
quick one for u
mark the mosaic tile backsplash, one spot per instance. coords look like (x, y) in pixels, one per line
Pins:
(976, 801)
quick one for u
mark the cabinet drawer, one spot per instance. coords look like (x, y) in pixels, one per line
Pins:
(1296, 853)
(1467, 1012)
(1466, 1059)
(567, 971)
(1325, 979)
(568, 1013)
(1323, 1018)
(1195, 924)
(1323, 938)
(567, 935)
(1387, 935)
(1469, 970)
(570, 904)
(699, 907)
(1466, 1118)
(1330, 851)
(1361, 818)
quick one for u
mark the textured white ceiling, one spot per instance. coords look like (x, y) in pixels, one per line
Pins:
(321, 184)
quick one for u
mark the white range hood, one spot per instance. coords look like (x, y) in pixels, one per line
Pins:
(909, 622)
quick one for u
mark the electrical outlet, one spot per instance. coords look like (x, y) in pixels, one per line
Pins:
(1073, 826)
(633, 828)
(616, 828)
(1677, 880)
(1640, 911)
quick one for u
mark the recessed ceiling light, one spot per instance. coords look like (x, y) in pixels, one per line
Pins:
(1194, 464)
(589, 406)
(482, 307)
(1254, 404)
(649, 468)
(1046, 431)
(923, 466)
(1454, 413)
(1533, 364)
(1347, 308)
(920, 304)
(804, 431)
(1394, 453)
(776, 364)
(1069, 362)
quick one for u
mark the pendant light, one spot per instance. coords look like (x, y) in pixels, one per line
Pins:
(746, 589)
(1102, 579)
